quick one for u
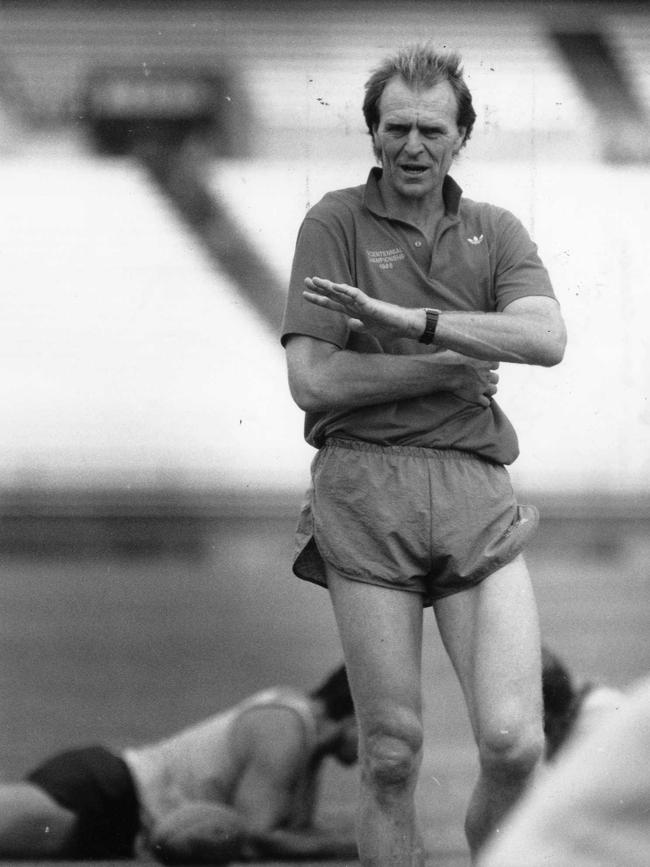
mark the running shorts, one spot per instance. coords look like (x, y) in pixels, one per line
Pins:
(427, 521)
(98, 787)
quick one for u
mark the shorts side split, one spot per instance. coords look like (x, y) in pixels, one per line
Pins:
(427, 521)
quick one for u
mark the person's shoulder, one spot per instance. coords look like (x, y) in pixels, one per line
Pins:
(270, 725)
(275, 703)
(595, 703)
(338, 203)
(472, 208)
(502, 227)
(600, 700)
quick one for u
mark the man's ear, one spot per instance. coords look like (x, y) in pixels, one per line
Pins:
(375, 144)
(462, 131)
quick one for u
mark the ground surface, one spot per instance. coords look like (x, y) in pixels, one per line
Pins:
(123, 649)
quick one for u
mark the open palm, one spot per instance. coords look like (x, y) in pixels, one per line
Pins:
(365, 314)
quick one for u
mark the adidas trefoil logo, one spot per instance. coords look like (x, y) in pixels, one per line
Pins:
(476, 241)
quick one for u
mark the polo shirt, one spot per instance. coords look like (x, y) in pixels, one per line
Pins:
(481, 258)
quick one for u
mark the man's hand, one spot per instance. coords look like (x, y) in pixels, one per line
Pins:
(365, 314)
(470, 379)
(309, 844)
(201, 832)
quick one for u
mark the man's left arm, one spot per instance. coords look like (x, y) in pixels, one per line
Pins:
(311, 843)
(209, 833)
(529, 330)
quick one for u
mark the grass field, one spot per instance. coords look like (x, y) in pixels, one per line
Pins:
(120, 649)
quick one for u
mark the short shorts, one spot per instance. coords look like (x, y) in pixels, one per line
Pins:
(98, 787)
(427, 521)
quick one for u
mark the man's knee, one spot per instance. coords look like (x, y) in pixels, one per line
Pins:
(511, 752)
(391, 754)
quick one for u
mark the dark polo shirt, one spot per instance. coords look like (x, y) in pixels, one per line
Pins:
(480, 259)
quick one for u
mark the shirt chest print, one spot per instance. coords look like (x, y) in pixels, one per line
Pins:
(385, 259)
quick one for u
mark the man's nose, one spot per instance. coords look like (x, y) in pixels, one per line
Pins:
(414, 141)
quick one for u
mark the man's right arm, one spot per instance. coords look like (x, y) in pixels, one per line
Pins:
(324, 377)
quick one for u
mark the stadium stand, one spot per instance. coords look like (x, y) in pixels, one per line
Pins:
(285, 91)
(292, 67)
(131, 362)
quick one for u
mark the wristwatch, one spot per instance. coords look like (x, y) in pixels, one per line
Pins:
(430, 328)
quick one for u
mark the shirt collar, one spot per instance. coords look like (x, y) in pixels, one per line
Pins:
(373, 199)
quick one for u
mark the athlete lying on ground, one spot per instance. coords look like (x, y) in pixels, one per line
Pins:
(242, 785)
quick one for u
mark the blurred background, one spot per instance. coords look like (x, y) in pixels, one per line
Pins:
(156, 159)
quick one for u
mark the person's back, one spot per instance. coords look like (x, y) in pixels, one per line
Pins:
(200, 762)
(591, 808)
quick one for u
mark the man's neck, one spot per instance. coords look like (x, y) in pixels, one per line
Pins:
(424, 213)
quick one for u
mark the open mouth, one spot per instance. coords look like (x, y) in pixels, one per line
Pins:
(414, 170)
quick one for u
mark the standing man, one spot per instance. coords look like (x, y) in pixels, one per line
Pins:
(404, 298)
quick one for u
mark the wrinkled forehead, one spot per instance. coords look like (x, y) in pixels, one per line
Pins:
(401, 102)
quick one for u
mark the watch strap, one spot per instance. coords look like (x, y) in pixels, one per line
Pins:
(430, 328)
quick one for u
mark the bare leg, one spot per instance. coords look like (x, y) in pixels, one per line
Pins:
(32, 825)
(491, 633)
(381, 633)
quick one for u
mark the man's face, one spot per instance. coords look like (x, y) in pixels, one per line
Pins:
(417, 137)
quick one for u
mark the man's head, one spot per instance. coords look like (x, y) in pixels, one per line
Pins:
(335, 696)
(420, 67)
(334, 693)
(559, 701)
(419, 113)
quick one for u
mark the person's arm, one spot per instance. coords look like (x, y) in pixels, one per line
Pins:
(322, 376)
(308, 844)
(209, 833)
(269, 744)
(529, 330)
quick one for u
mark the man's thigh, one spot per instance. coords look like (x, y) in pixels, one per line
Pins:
(25, 814)
(381, 634)
(491, 633)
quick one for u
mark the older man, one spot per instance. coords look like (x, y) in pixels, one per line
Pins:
(404, 298)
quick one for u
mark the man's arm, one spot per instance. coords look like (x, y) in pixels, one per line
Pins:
(529, 331)
(208, 833)
(322, 376)
(309, 844)
(269, 745)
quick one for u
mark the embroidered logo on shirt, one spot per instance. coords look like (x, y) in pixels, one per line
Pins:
(475, 241)
(385, 258)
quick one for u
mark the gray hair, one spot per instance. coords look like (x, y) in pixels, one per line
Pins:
(420, 65)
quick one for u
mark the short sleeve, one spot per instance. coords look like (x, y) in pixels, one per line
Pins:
(519, 270)
(321, 251)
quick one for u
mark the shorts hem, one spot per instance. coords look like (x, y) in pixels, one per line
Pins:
(360, 579)
(474, 582)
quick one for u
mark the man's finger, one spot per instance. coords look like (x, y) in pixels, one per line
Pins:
(322, 301)
(342, 290)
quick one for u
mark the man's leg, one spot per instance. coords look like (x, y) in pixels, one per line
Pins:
(381, 633)
(491, 633)
(33, 825)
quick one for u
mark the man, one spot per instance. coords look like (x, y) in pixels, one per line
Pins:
(403, 299)
(240, 785)
(592, 808)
